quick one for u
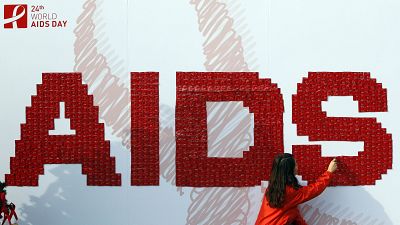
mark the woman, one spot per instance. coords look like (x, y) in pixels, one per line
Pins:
(284, 194)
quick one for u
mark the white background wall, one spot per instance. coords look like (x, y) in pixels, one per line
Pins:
(287, 39)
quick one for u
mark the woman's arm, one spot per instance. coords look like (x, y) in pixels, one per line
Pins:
(313, 190)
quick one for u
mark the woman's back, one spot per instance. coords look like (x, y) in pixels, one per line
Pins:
(283, 209)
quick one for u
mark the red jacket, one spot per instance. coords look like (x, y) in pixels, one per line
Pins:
(289, 213)
(3, 201)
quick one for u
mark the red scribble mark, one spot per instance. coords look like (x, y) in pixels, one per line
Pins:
(108, 91)
(218, 206)
(322, 213)
(94, 64)
(223, 49)
(111, 96)
(229, 132)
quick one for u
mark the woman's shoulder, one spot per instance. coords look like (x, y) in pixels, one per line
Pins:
(291, 189)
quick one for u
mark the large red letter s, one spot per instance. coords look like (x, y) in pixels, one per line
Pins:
(311, 121)
(87, 147)
(193, 166)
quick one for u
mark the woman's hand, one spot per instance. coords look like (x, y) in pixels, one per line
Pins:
(332, 166)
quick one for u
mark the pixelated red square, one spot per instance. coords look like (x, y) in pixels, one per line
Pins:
(15, 16)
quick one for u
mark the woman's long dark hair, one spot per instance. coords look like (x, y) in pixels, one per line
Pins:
(3, 186)
(282, 174)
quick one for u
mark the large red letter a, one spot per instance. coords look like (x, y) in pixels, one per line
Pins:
(87, 147)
